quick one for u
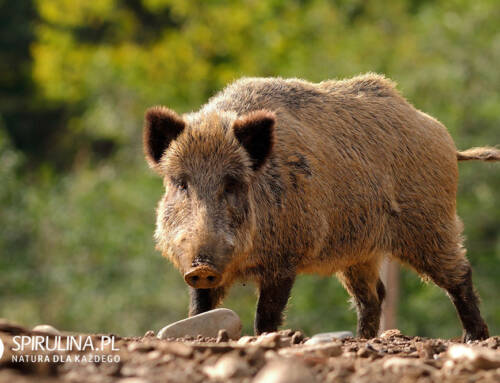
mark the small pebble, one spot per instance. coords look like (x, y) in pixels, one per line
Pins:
(246, 339)
(287, 332)
(154, 355)
(477, 358)
(399, 365)
(270, 354)
(323, 350)
(227, 366)
(367, 351)
(133, 380)
(139, 347)
(222, 336)
(47, 329)
(285, 341)
(271, 340)
(282, 370)
(297, 337)
(329, 337)
(390, 333)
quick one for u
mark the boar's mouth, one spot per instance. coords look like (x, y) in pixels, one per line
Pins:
(203, 276)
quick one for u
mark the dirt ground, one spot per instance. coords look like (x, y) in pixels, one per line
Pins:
(275, 357)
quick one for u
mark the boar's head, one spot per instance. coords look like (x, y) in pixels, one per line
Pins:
(209, 163)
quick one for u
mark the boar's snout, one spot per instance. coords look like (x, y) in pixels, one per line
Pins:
(202, 277)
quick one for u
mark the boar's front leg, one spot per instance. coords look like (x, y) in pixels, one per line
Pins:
(363, 284)
(202, 300)
(274, 294)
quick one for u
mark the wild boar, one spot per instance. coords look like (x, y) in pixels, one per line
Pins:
(275, 177)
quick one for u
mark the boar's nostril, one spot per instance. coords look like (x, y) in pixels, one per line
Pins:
(203, 277)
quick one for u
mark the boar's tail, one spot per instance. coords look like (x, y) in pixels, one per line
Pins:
(485, 153)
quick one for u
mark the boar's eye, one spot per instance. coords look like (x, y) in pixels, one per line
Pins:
(183, 185)
(231, 185)
(180, 183)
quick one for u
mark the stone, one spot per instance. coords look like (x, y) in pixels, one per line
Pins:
(476, 358)
(322, 350)
(153, 355)
(407, 366)
(177, 348)
(140, 347)
(285, 341)
(367, 352)
(227, 366)
(206, 324)
(281, 370)
(270, 354)
(287, 332)
(391, 333)
(297, 337)
(329, 337)
(222, 336)
(246, 339)
(271, 340)
(47, 329)
(133, 380)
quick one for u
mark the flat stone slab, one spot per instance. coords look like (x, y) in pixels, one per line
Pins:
(206, 324)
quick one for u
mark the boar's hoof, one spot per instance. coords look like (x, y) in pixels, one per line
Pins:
(202, 277)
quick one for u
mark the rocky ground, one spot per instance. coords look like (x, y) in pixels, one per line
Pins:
(285, 356)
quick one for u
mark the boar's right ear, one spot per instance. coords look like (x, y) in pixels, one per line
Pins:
(254, 132)
(161, 126)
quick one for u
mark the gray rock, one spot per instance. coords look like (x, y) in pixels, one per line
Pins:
(206, 324)
(47, 329)
(326, 337)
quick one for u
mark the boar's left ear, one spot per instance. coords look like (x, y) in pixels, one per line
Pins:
(254, 132)
(161, 126)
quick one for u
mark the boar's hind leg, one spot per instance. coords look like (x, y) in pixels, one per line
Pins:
(364, 285)
(467, 304)
(273, 297)
(452, 272)
(204, 299)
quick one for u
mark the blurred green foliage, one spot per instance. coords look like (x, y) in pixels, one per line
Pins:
(77, 200)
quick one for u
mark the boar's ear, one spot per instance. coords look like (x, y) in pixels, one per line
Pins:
(254, 132)
(161, 126)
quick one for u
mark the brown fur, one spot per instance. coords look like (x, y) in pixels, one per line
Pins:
(274, 177)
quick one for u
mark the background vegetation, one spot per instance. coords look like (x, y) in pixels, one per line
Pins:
(77, 200)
